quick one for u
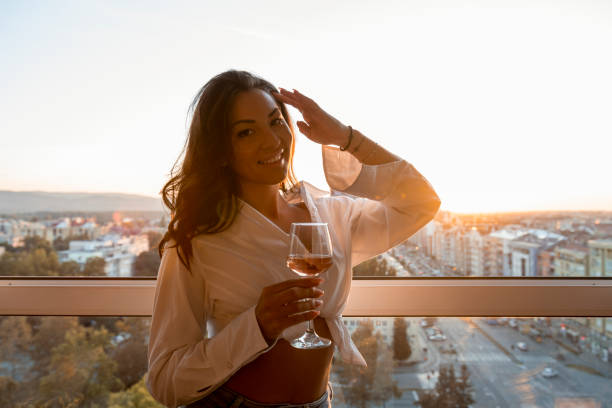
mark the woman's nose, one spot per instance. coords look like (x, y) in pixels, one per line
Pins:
(271, 139)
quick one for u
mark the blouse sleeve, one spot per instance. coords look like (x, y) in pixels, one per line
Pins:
(388, 202)
(185, 365)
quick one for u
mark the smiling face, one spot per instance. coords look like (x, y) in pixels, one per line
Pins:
(261, 139)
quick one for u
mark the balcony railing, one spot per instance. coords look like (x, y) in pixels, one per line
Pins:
(369, 297)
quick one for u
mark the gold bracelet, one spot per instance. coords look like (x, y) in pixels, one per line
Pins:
(350, 139)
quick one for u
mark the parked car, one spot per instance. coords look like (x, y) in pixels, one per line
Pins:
(549, 372)
(535, 335)
(427, 322)
(522, 346)
(513, 323)
(491, 322)
(502, 321)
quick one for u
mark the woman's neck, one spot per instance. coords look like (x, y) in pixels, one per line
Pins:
(264, 198)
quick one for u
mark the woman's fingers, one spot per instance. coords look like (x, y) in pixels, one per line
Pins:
(289, 98)
(300, 307)
(285, 99)
(280, 305)
(298, 100)
(303, 127)
(304, 99)
(301, 317)
(307, 282)
(296, 294)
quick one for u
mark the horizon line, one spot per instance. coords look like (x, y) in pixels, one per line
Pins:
(459, 213)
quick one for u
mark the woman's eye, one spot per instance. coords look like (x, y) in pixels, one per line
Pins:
(278, 121)
(244, 133)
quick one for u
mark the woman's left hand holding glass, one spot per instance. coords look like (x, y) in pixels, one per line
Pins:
(319, 126)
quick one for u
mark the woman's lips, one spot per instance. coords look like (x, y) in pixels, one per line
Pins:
(274, 159)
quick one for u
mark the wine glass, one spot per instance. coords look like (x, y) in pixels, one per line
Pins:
(310, 253)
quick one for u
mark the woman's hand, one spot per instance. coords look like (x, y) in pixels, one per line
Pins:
(278, 304)
(320, 127)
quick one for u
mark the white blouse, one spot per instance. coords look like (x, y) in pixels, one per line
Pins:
(204, 328)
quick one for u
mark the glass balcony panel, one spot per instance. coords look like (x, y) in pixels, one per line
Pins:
(543, 362)
(440, 249)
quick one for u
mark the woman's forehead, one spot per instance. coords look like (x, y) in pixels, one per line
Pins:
(252, 103)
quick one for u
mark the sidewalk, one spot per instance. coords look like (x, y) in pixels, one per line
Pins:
(585, 357)
(416, 343)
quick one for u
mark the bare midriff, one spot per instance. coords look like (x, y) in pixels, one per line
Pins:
(286, 374)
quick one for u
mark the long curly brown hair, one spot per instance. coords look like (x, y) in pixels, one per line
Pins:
(202, 193)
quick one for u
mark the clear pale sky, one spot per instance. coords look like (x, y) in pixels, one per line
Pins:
(502, 105)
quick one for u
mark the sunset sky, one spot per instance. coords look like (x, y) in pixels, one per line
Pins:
(502, 105)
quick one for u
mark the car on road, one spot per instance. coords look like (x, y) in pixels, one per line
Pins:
(513, 323)
(437, 337)
(491, 322)
(549, 372)
(521, 345)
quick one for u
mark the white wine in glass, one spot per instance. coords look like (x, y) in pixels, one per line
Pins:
(310, 253)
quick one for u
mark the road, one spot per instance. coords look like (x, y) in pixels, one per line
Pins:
(501, 376)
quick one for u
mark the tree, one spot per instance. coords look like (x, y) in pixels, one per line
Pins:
(15, 337)
(449, 392)
(131, 353)
(80, 371)
(36, 262)
(137, 396)
(50, 333)
(36, 242)
(401, 345)
(373, 267)
(363, 385)
(94, 267)
(154, 238)
(464, 389)
(146, 263)
(8, 390)
(70, 268)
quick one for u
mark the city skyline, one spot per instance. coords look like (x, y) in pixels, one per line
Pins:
(498, 119)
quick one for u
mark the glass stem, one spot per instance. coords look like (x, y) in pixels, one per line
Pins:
(310, 328)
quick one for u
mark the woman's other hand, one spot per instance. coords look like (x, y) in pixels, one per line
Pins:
(282, 305)
(320, 126)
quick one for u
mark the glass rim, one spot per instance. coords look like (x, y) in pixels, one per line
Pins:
(309, 223)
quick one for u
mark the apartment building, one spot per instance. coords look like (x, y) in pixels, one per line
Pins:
(14, 232)
(526, 249)
(118, 252)
(600, 257)
(571, 261)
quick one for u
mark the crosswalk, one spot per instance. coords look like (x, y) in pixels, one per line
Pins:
(494, 355)
(483, 356)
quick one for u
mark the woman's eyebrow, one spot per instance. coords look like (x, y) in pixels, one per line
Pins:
(251, 120)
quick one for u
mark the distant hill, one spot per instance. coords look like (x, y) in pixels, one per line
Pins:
(12, 202)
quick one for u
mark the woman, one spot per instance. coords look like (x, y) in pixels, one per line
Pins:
(225, 303)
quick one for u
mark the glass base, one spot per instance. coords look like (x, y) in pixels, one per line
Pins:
(310, 340)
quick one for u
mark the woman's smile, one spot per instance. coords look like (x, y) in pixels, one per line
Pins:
(276, 159)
